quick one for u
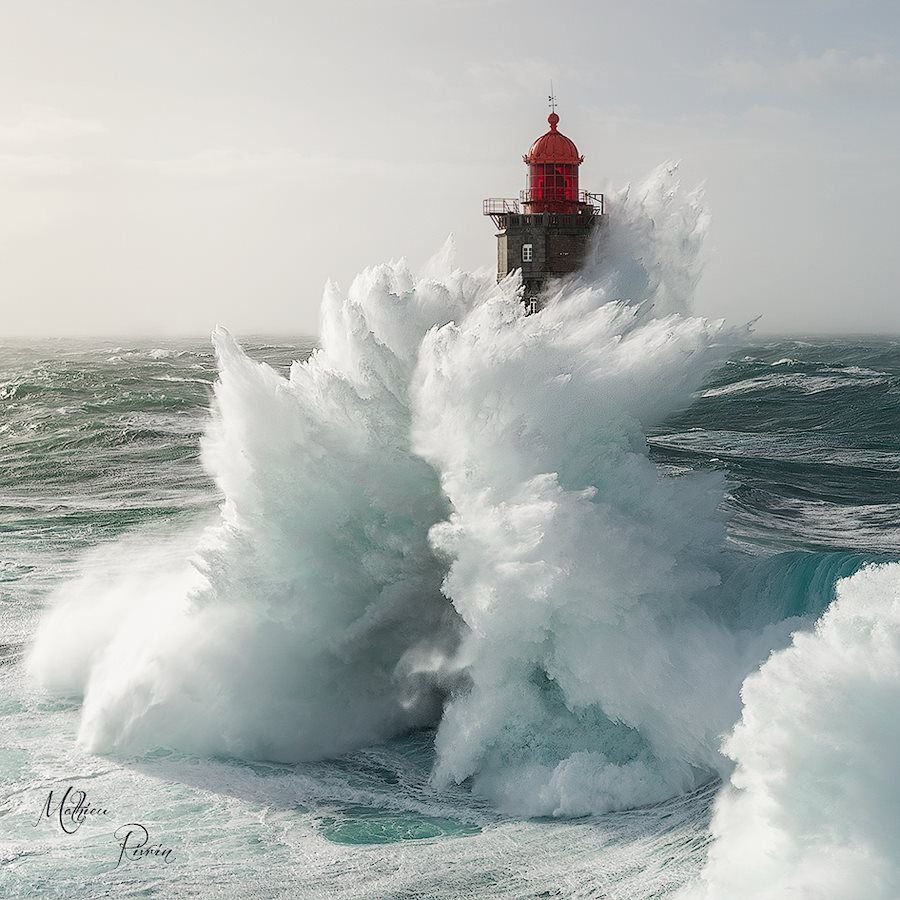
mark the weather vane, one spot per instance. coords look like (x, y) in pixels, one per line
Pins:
(551, 100)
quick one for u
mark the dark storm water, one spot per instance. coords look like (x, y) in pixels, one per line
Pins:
(98, 438)
(807, 431)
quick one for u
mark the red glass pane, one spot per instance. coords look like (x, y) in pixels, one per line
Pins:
(553, 182)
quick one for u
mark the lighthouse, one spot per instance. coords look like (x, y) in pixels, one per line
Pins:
(546, 232)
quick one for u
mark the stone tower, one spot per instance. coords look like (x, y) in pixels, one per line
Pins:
(547, 231)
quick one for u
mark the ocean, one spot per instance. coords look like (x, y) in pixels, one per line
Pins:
(502, 608)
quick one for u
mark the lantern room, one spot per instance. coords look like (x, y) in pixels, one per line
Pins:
(553, 162)
(546, 232)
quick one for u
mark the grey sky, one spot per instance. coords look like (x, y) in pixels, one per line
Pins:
(166, 166)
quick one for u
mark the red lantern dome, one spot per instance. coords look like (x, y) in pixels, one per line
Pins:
(553, 147)
(553, 162)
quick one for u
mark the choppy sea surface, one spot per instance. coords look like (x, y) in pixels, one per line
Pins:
(99, 441)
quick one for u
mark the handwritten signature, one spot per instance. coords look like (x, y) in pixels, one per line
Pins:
(74, 809)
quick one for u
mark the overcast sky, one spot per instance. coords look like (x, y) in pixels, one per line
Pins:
(169, 165)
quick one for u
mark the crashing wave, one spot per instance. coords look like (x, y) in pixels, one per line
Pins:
(811, 808)
(447, 516)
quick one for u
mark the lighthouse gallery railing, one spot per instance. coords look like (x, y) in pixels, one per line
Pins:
(498, 206)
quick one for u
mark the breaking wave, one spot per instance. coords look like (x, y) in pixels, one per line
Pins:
(447, 517)
(811, 808)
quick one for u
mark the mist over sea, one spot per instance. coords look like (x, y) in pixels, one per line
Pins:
(461, 603)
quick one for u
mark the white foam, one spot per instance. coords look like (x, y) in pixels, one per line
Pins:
(812, 806)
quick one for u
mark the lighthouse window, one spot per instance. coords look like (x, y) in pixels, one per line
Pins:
(553, 181)
(527, 252)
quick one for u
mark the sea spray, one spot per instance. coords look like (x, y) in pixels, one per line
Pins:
(596, 677)
(318, 624)
(596, 674)
(811, 808)
(132, 586)
(448, 516)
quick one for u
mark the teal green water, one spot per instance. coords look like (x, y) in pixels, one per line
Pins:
(373, 825)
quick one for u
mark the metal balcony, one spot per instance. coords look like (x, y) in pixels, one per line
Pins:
(498, 206)
(550, 195)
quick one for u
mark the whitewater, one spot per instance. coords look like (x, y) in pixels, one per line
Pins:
(464, 620)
